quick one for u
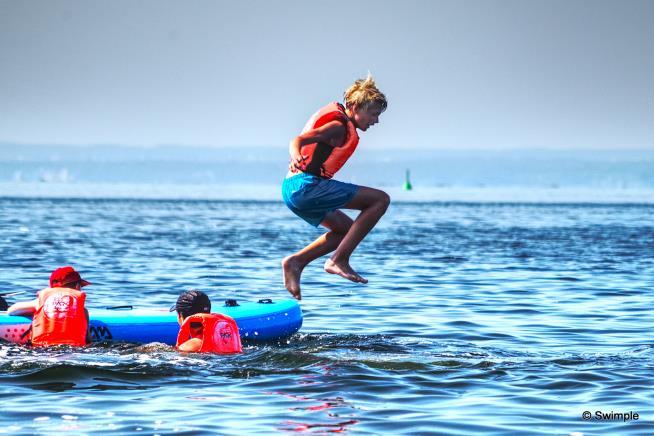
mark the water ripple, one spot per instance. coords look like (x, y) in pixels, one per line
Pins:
(478, 319)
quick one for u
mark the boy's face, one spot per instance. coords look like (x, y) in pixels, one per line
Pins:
(364, 118)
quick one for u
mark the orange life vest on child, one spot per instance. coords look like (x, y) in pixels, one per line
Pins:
(60, 318)
(219, 333)
(321, 159)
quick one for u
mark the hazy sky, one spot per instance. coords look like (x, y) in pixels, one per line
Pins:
(471, 74)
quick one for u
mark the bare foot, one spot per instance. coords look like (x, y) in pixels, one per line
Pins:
(292, 270)
(343, 270)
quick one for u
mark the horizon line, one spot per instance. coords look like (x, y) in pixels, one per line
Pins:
(271, 147)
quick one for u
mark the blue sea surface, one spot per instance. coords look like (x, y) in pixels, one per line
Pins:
(479, 318)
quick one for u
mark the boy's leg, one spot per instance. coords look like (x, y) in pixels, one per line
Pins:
(339, 224)
(373, 204)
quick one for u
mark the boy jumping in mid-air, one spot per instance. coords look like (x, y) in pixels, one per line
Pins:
(327, 141)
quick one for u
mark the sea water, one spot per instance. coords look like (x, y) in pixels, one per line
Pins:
(479, 318)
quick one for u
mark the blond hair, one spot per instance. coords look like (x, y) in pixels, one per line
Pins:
(364, 93)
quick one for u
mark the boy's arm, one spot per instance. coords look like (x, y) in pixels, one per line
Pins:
(24, 308)
(332, 133)
(191, 346)
(88, 327)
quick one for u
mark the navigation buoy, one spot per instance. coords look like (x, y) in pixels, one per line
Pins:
(407, 182)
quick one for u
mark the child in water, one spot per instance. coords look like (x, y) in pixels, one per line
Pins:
(202, 331)
(59, 315)
(329, 138)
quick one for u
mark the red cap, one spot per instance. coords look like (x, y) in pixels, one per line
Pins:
(66, 275)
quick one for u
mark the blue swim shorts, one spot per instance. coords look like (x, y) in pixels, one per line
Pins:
(312, 198)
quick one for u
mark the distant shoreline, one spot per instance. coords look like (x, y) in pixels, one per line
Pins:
(271, 193)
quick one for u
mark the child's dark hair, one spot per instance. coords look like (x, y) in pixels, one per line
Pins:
(191, 302)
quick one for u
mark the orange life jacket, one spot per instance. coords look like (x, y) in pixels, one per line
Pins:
(321, 159)
(60, 318)
(219, 333)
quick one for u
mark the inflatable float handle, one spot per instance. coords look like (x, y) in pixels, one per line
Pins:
(231, 303)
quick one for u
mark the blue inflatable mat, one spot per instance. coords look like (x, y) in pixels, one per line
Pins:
(264, 320)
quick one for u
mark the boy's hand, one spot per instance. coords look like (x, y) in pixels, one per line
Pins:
(297, 161)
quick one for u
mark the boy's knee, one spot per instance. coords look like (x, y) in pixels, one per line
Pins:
(384, 200)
